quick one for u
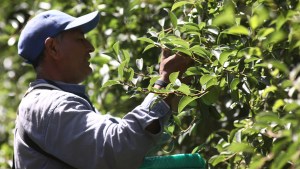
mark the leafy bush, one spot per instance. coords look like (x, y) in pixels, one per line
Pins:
(239, 108)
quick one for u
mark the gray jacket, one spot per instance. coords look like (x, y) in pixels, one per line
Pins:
(65, 125)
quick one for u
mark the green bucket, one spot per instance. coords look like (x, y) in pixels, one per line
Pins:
(178, 161)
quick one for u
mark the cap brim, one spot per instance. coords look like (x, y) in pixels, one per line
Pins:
(86, 22)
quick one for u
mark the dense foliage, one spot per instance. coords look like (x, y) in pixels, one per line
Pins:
(239, 107)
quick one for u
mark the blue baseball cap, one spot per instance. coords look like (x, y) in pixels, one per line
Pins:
(49, 24)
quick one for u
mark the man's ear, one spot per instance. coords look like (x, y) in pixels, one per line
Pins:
(51, 47)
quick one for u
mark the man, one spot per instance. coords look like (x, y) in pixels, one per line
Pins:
(57, 126)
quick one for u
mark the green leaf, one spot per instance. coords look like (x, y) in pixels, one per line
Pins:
(280, 21)
(150, 69)
(205, 78)
(237, 30)
(214, 160)
(173, 19)
(178, 42)
(129, 74)
(184, 101)
(173, 76)
(126, 55)
(183, 50)
(100, 60)
(234, 83)
(171, 129)
(212, 95)
(254, 22)
(226, 17)
(184, 89)
(190, 28)
(200, 51)
(152, 81)
(261, 14)
(177, 120)
(195, 71)
(116, 48)
(197, 149)
(264, 32)
(267, 118)
(148, 47)
(225, 55)
(275, 64)
(110, 83)
(283, 158)
(240, 147)
(121, 70)
(277, 36)
(211, 82)
(257, 162)
(291, 106)
(268, 90)
(179, 4)
(146, 40)
(279, 103)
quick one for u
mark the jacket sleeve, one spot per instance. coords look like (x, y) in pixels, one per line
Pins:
(85, 139)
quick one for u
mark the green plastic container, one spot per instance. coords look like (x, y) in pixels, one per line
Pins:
(178, 161)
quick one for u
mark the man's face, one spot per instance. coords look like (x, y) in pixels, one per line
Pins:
(74, 51)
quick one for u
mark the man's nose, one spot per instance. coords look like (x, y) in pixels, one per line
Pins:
(89, 46)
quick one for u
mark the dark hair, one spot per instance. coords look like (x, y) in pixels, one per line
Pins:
(39, 59)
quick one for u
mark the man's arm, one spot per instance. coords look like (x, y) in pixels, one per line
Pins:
(169, 64)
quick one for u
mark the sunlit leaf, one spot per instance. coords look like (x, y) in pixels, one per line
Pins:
(264, 32)
(225, 17)
(190, 27)
(171, 128)
(183, 50)
(178, 42)
(179, 4)
(260, 16)
(184, 101)
(148, 47)
(205, 78)
(211, 82)
(240, 147)
(237, 30)
(129, 74)
(225, 55)
(110, 83)
(162, 22)
(126, 55)
(279, 103)
(184, 89)
(116, 47)
(214, 160)
(177, 120)
(173, 76)
(277, 36)
(146, 40)
(200, 51)
(268, 117)
(279, 65)
(211, 96)
(173, 19)
(269, 89)
(234, 83)
(139, 63)
(121, 70)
